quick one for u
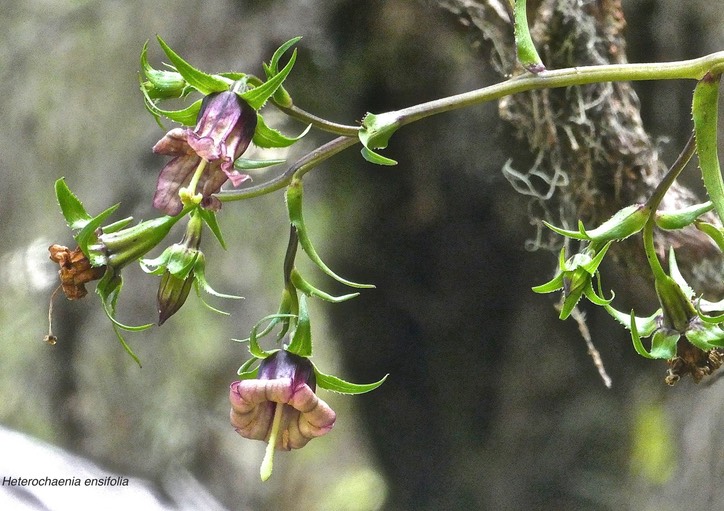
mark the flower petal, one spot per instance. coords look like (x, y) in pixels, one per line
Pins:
(173, 176)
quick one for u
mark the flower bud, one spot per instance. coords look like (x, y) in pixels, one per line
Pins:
(117, 249)
(172, 294)
(164, 84)
(177, 263)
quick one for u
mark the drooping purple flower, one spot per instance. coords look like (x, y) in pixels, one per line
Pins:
(285, 380)
(224, 129)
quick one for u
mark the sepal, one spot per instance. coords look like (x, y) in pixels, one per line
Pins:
(267, 137)
(671, 220)
(202, 82)
(335, 384)
(624, 223)
(294, 194)
(375, 134)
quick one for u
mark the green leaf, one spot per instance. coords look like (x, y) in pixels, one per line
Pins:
(646, 326)
(118, 225)
(202, 82)
(109, 289)
(309, 290)
(161, 84)
(638, 345)
(334, 384)
(294, 194)
(267, 137)
(705, 112)
(706, 337)
(245, 164)
(663, 344)
(377, 129)
(596, 299)
(552, 285)
(254, 347)
(87, 234)
(676, 275)
(247, 374)
(714, 232)
(708, 319)
(376, 158)
(257, 96)
(302, 340)
(72, 208)
(525, 49)
(200, 273)
(593, 265)
(281, 96)
(576, 235)
(375, 134)
(272, 68)
(671, 220)
(186, 116)
(209, 217)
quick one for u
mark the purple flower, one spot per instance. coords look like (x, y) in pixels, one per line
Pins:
(282, 398)
(224, 129)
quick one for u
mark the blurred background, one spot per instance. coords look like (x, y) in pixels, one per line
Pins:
(491, 402)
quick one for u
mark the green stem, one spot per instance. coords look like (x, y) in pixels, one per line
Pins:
(693, 69)
(323, 124)
(300, 167)
(655, 200)
(290, 256)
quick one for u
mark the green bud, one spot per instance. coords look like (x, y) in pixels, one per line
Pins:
(172, 294)
(623, 224)
(680, 218)
(677, 307)
(117, 249)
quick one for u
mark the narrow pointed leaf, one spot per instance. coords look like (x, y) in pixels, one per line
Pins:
(552, 285)
(376, 158)
(638, 345)
(309, 290)
(273, 67)
(680, 218)
(334, 384)
(706, 337)
(714, 232)
(257, 96)
(209, 217)
(87, 234)
(705, 113)
(245, 373)
(202, 82)
(200, 273)
(267, 137)
(302, 340)
(72, 208)
(294, 194)
(245, 164)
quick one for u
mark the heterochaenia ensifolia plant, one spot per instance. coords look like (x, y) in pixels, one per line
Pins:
(274, 399)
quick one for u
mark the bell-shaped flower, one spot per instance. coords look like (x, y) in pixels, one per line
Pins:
(575, 276)
(203, 157)
(279, 406)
